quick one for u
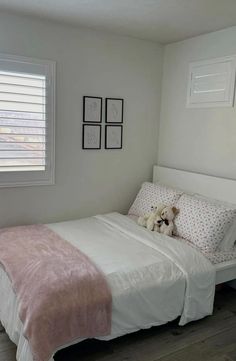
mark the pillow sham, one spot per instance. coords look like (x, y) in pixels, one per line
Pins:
(203, 223)
(229, 240)
(152, 194)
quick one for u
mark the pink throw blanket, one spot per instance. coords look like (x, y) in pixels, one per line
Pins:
(62, 295)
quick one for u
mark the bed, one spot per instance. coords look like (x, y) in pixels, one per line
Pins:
(152, 281)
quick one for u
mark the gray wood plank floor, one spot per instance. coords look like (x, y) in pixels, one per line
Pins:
(210, 339)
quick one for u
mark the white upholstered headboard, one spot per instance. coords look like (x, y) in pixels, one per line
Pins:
(214, 187)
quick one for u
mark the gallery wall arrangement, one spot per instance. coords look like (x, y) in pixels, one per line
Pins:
(92, 123)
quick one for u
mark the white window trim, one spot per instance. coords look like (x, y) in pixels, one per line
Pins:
(36, 178)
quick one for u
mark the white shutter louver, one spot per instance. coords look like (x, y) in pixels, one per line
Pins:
(22, 122)
(26, 120)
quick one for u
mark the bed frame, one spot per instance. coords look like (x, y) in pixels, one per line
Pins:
(215, 187)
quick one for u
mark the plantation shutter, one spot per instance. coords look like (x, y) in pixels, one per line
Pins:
(26, 121)
(22, 122)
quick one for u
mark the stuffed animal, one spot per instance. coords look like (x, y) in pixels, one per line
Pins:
(157, 223)
(148, 220)
(164, 224)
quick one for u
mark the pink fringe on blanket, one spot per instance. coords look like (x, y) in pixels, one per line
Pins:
(62, 294)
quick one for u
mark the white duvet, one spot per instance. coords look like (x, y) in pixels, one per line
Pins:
(153, 278)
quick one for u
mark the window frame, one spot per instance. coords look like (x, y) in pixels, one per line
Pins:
(37, 177)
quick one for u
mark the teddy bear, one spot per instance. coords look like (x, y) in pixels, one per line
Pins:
(164, 223)
(148, 220)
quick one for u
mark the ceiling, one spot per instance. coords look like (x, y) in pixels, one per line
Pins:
(163, 21)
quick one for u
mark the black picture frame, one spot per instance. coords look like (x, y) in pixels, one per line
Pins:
(84, 143)
(108, 142)
(109, 118)
(86, 100)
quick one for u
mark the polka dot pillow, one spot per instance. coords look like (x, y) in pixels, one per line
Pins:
(152, 194)
(202, 223)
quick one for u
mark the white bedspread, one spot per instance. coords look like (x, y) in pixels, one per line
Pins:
(153, 278)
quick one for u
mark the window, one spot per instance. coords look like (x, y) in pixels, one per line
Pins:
(211, 83)
(26, 121)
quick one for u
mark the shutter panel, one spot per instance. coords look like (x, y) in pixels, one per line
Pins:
(22, 121)
(27, 121)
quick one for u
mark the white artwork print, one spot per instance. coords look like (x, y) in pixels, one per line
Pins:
(91, 137)
(114, 111)
(92, 110)
(114, 137)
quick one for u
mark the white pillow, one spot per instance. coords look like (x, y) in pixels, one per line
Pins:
(229, 240)
(203, 223)
(152, 194)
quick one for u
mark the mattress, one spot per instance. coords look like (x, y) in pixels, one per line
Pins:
(152, 281)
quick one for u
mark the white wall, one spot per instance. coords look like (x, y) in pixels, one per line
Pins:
(88, 63)
(202, 140)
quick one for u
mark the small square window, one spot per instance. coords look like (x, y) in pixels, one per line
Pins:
(211, 83)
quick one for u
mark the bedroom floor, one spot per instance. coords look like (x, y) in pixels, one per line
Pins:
(210, 339)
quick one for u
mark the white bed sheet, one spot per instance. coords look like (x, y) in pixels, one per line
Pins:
(214, 257)
(152, 280)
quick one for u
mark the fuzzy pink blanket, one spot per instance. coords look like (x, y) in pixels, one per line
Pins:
(62, 295)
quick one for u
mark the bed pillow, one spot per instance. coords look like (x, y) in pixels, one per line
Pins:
(150, 195)
(229, 240)
(203, 223)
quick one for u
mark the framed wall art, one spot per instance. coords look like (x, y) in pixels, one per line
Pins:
(92, 109)
(91, 136)
(114, 110)
(113, 136)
